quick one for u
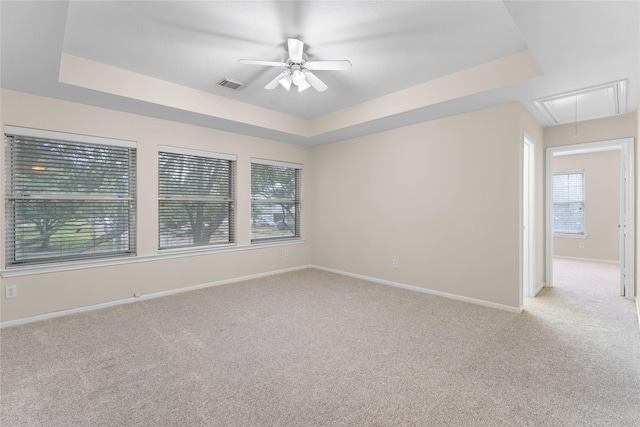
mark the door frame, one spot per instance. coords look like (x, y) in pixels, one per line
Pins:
(528, 288)
(627, 205)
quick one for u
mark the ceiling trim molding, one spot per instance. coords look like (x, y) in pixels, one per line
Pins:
(501, 72)
(498, 73)
(89, 74)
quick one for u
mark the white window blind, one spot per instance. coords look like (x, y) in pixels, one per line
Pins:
(197, 198)
(67, 199)
(275, 200)
(568, 203)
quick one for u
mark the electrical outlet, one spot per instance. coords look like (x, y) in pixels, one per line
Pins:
(395, 263)
(10, 291)
(581, 245)
(286, 252)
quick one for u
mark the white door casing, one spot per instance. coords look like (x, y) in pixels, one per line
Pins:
(627, 206)
(528, 218)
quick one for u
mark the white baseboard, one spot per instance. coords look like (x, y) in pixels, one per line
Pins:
(424, 290)
(539, 289)
(606, 261)
(37, 318)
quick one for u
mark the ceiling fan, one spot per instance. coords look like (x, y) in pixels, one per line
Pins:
(298, 69)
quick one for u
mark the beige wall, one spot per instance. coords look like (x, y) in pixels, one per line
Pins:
(442, 197)
(602, 206)
(53, 291)
(615, 127)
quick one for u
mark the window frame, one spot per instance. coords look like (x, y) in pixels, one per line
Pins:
(15, 135)
(231, 200)
(567, 232)
(296, 201)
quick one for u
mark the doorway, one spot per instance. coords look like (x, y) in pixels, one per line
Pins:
(625, 148)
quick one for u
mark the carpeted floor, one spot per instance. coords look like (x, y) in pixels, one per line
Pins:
(311, 348)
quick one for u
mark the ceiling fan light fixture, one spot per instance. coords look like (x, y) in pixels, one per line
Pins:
(298, 77)
(304, 85)
(286, 81)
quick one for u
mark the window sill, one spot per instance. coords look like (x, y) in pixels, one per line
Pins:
(274, 242)
(164, 254)
(570, 236)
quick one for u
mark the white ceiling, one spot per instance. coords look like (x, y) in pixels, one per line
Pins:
(394, 46)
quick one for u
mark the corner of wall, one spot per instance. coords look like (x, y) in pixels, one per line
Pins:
(637, 135)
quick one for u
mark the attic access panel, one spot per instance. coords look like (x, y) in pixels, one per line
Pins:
(586, 104)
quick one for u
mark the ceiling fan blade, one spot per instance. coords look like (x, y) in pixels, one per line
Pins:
(256, 62)
(315, 82)
(295, 49)
(329, 65)
(274, 83)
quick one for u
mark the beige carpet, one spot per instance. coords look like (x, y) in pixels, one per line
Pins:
(311, 348)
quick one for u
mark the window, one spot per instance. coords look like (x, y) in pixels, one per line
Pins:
(275, 200)
(68, 197)
(568, 203)
(197, 198)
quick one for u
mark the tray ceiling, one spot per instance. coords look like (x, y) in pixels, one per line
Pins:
(412, 61)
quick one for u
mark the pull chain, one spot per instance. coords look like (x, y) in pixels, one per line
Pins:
(576, 121)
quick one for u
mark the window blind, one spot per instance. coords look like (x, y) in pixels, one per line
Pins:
(568, 203)
(196, 198)
(275, 200)
(68, 200)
